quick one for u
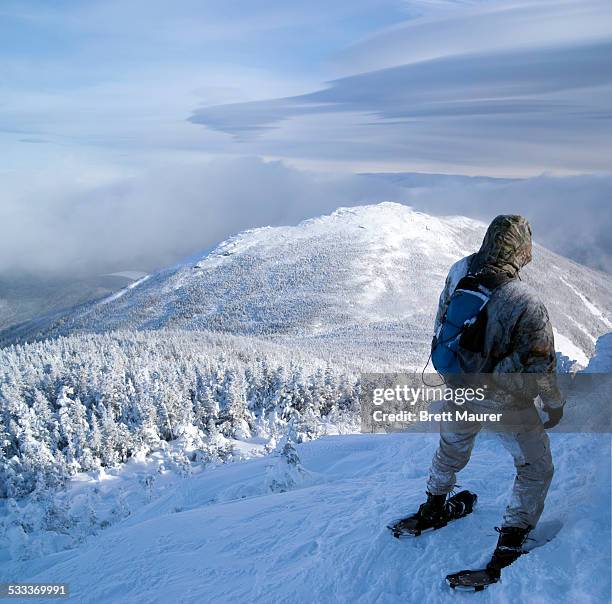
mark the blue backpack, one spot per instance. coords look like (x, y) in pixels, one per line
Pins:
(464, 323)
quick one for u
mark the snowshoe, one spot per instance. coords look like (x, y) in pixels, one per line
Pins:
(472, 580)
(435, 513)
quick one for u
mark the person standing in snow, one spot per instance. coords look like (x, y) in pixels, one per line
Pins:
(517, 338)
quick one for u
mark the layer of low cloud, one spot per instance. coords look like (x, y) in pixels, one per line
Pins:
(152, 219)
(570, 215)
(108, 222)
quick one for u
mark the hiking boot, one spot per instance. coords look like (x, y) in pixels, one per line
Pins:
(433, 510)
(509, 548)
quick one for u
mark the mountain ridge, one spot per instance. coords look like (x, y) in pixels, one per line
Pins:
(362, 280)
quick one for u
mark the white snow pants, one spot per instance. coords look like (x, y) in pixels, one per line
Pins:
(528, 445)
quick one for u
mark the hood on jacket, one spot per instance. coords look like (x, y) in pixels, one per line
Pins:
(506, 246)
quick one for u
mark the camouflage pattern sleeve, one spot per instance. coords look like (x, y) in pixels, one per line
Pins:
(533, 347)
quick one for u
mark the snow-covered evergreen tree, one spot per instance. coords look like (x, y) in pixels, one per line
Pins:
(89, 401)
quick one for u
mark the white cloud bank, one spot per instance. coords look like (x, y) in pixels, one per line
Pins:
(148, 220)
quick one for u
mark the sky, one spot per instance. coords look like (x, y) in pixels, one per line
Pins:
(134, 132)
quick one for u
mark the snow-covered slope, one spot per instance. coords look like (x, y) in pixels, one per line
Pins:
(363, 281)
(227, 535)
(309, 526)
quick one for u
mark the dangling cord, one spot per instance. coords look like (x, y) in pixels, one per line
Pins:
(423, 374)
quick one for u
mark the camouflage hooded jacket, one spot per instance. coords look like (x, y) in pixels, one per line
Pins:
(518, 337)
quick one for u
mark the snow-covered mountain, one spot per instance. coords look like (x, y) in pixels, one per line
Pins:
(134, 461)
(362, 282)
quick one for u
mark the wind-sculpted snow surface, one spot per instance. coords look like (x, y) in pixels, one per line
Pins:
(225, 535)
(360, 284)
